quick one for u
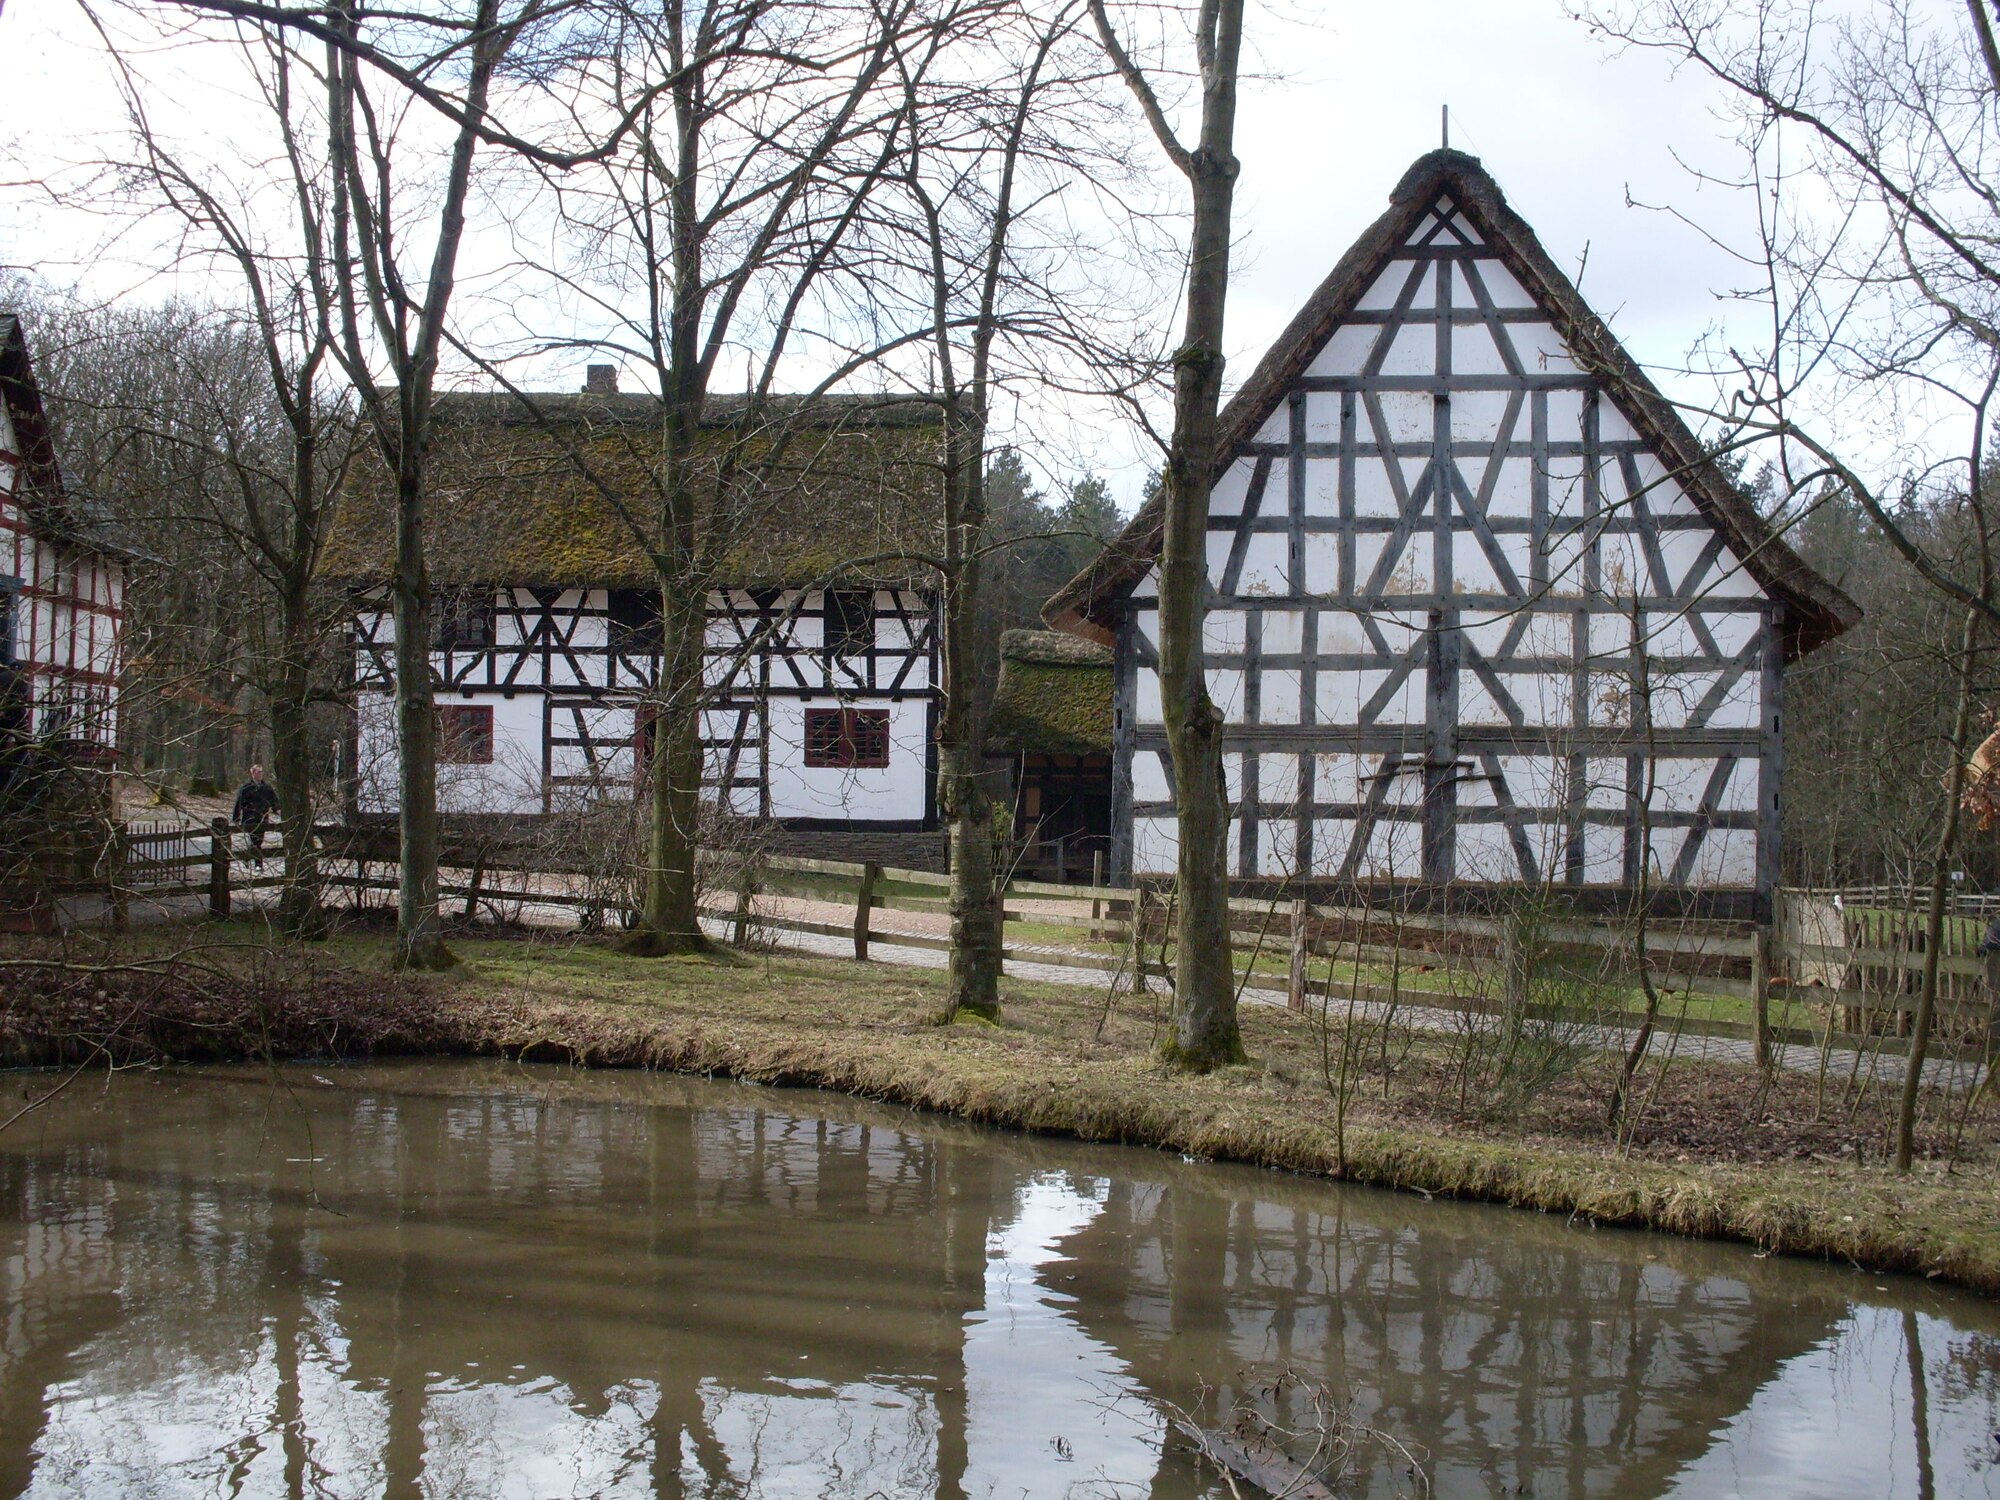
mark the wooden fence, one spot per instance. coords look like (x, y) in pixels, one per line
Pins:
(161, 861)
(1463, 962)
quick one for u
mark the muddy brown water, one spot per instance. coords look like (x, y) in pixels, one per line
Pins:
(474, 1279)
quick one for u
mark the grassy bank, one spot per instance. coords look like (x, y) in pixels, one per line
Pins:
(1788, 1164)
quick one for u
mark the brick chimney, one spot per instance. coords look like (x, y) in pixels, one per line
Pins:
(600, 380)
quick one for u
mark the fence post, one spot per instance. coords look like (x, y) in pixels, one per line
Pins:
(1992, 1005)
(1514, 964)
(472, 885)
(1295, 987)
(1138, 935)
(1096, 902)
(120, 878)
(1760, 994)
(746, 891)
(864, 902)
(218, 869)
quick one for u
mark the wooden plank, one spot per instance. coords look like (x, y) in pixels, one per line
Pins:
(1903, 959)
(1760, 997)
(864, 905)
(814, 866)
(915, 877)
(1069, 892)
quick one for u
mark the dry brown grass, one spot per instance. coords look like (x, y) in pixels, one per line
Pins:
(1049, 1067)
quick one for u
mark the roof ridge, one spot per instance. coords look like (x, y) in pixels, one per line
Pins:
(1821, 610)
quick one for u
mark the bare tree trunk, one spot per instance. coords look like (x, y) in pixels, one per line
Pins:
(976, 923)
(670, 918)
(670, 921)
(1202, 1032)
(412, 331)
(299, 911)
(1947, 844)
(419, 934)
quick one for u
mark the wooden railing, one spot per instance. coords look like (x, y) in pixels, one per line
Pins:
(1468, 962)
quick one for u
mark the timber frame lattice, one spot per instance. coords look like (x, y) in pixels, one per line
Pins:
(1479, 614)
(591, 655)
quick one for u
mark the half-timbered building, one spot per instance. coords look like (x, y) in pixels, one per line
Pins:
(1482, 611)
(820, 705)
(62, 585)
(1050, 724)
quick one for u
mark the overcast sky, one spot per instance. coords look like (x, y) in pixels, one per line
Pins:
(1349, 95)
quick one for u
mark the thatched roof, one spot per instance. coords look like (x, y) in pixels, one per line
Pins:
(1816, 610)
(526, 494)
(1054, 695)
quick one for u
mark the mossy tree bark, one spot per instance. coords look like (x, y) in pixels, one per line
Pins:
(976, 923)
(670, 917)
(299, 910)
(419, 932)
(977, 933)
(1202, 1032)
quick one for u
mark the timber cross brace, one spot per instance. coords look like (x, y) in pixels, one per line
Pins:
(1481, 612)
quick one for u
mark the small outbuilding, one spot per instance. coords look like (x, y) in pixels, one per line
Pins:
(1051, 720)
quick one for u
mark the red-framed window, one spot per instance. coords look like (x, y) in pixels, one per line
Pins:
(465, 734)
(847, 738)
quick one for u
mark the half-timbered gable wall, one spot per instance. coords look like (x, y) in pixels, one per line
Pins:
(563, 673)
(1476, 617)
(62, 600)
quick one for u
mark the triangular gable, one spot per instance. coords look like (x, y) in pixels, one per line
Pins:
(1447, 200)
(23, 397)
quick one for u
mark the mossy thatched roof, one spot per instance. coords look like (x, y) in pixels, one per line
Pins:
(1054, 696)
(564, 492)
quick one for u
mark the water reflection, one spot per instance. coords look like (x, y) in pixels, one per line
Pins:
(476, 1280)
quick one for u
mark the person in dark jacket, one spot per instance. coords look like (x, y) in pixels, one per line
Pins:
(255, 804)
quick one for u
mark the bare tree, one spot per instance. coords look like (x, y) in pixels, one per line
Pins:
(756, 131)
(982, 156)
(1203, 1033)
(1872, 173)
(394, 317)
(255, 405)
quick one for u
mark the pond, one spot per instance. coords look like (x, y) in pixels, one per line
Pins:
(476, 1279)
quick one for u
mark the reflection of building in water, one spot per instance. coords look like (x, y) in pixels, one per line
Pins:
(1552, 1361)
(58, 1289)
(590, 1293)
(514, 1298)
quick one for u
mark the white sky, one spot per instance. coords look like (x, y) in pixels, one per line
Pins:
(1349, 96)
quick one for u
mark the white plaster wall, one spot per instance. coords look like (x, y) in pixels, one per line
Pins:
(612, 727)
(894, 792)
(512, 783)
